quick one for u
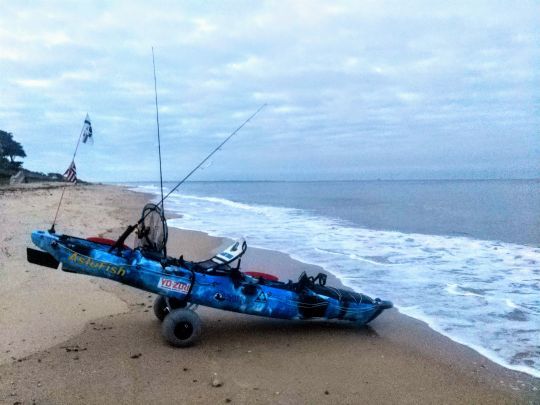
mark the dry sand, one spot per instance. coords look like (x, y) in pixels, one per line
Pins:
(68, 338)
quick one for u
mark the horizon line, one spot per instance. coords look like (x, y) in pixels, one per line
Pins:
(323, 181)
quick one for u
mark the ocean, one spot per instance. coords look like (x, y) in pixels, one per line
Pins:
(463, 256)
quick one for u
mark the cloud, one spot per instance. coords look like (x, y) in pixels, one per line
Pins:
(34, 83)
(355, 89)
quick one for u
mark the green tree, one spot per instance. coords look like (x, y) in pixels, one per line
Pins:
(10, 147)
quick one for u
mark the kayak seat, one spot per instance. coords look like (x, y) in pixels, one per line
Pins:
(220, 263)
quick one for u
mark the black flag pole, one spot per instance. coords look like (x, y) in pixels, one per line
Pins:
(79, 140)
(52, 230)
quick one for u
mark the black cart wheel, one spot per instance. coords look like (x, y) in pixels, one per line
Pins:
(163, 305)
(181, 327)
(160, 307)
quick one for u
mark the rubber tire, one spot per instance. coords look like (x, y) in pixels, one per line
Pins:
(181, 327)
(160, 306)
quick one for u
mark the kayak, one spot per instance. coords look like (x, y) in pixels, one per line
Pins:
(181, 284)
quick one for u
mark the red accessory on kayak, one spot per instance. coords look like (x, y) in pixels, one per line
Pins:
(103, 241)
(265, 276)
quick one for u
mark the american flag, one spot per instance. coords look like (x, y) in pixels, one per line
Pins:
(71, 173)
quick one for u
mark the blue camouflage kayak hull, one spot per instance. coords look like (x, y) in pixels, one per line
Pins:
(188, 282)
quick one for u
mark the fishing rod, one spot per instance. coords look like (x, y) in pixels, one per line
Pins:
(159, 151)
(214, 151)
(131, 228)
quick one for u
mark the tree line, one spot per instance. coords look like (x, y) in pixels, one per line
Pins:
(9, 150)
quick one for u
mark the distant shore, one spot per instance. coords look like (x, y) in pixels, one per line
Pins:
(99, 342)
(37, 185)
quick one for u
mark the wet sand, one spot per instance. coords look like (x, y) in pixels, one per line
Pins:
(68, 338)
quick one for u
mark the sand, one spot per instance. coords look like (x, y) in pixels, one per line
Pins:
(68, 338)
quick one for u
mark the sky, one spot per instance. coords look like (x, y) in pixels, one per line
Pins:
(355, 89)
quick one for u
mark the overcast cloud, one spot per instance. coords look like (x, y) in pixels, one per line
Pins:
(355, 90)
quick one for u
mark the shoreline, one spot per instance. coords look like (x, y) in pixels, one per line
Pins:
(431, 323)
(419, 334)
(291, 268)
(347, 361)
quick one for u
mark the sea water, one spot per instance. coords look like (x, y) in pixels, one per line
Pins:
(463, 256)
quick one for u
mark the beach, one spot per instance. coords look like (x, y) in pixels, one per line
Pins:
(67, 338)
